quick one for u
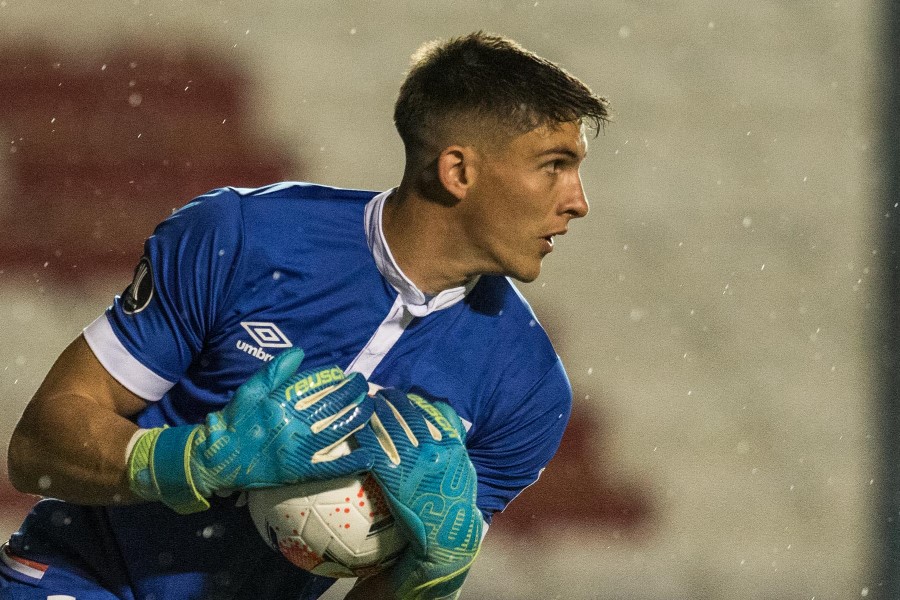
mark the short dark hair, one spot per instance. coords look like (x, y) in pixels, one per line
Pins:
(489, 77)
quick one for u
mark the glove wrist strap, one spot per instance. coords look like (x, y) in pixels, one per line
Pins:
(171, 469)
(159, 469)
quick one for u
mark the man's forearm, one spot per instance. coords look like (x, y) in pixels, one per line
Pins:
(71, 440)
(84, 464)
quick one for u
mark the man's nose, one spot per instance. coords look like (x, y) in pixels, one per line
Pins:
(576, 203)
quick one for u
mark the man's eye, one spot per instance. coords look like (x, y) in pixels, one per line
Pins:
(553, 166)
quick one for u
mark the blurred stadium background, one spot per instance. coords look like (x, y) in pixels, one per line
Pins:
(719, 311)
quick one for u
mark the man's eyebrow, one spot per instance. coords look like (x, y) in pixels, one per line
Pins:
(564, 150)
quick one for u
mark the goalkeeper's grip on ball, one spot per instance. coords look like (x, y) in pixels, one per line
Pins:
(277, 429)
(424, 469)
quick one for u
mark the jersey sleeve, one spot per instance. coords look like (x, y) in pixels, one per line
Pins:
(511, 457)
(157, 326)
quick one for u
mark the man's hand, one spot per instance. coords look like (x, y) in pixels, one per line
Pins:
(424, 470)
(276, 430)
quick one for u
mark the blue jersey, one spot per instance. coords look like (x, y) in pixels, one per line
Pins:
(227, 282)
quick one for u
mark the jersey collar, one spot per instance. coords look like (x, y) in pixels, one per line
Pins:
(416, 302)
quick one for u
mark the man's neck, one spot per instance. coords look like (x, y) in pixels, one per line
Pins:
(420, 235)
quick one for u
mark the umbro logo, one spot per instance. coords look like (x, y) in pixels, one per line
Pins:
(266, 335)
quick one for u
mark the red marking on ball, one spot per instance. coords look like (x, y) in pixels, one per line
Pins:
(300, 555)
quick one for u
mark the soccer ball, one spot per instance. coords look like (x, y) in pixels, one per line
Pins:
(337, 528)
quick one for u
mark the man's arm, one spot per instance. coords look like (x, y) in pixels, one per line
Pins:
(73, 437)
(71, 440)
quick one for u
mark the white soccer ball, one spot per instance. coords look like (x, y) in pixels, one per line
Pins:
(337, 528)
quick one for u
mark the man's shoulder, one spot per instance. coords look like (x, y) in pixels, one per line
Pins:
(299, 192)
(273, 202)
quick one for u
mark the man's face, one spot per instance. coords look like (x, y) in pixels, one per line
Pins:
(524, 194)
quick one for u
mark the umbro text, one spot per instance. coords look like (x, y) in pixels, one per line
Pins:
(254, 351)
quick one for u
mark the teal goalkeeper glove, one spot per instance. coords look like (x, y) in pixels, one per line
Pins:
(424, 470)
(277, 429)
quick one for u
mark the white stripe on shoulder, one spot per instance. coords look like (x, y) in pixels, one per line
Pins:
(125, 368)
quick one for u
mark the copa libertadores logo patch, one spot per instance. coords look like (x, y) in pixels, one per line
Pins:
(137, 296)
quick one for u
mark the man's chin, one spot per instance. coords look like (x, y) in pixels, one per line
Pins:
(526, 276)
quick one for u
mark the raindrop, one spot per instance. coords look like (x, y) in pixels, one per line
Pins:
(60, 518)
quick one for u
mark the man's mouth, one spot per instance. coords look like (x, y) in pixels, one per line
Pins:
(550, 237)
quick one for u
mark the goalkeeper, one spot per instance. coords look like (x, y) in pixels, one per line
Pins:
(191, 387)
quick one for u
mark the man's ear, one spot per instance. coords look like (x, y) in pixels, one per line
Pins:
(457, 167)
